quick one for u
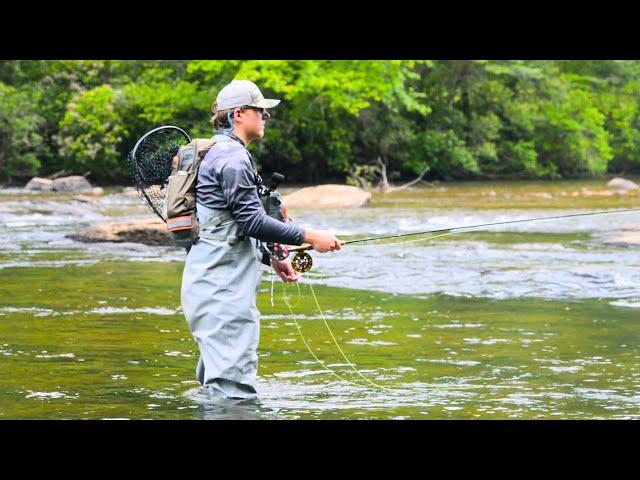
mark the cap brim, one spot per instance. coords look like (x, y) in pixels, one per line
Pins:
(266, 103)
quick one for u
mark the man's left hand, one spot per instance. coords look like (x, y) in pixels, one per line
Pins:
(284, 270)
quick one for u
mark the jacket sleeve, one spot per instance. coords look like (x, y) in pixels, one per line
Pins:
(241, 194)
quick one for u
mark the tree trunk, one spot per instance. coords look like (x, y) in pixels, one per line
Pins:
(408, 184)
(61, 173)
(384, 181)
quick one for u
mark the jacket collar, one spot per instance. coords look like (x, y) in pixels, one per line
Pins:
(230, 135)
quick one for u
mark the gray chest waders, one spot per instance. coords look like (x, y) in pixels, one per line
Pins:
(219, 287)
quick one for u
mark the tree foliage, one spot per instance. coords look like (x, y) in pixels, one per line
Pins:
(459, 119)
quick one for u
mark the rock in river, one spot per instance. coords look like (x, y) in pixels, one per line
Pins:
(149, 232)
(75, 183)
(39, 184)
(622, 184)
(328, 196)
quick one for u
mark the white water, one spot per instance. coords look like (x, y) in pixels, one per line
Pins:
(34, 230)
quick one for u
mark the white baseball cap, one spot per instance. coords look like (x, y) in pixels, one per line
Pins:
(241, 93)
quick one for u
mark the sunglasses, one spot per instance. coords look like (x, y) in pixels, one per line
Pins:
(260, 111)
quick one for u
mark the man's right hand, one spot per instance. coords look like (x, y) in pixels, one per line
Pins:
(321, 240)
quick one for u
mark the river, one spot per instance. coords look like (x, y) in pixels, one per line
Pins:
(530, 320)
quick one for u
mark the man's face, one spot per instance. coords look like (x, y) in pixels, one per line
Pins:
(253, 121)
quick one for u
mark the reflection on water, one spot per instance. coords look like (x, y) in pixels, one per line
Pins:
(441, 357)
(212, 407)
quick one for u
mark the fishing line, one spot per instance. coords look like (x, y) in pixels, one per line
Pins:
(286, 302)
(340, 349)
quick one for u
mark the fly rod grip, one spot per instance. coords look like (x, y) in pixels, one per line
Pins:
(301, 248)
(304, 248)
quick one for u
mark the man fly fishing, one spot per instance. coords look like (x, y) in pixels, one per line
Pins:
(222, 271)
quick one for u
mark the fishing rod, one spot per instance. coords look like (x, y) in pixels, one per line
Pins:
(302, 261)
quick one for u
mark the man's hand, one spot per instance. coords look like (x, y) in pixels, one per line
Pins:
(322, 241)
(284, 270)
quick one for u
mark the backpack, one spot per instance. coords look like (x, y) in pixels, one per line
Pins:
(180, 200)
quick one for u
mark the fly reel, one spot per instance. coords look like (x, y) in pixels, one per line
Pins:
(302, 262)
(279, 252)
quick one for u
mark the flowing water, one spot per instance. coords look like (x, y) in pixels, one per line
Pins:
(532, 320)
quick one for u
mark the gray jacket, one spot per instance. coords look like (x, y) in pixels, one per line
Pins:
(227, 181)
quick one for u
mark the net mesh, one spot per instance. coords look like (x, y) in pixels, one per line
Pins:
(150, 164)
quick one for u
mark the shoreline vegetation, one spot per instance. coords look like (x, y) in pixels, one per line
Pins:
(364, 123)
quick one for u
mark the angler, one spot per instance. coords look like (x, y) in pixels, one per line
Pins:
(221, 275)
(222, 270)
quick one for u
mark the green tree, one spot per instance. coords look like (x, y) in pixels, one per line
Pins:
(90, 133)
(571, 137)
(20, 139)
(461, 119)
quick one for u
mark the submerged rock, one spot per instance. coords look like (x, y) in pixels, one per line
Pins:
(328, 196)
(544, 195)
(622, 184)
(85, 199)
(75, 183)
(626, 239)
(39, 184)
(598, 193)
(585, 192)
(148, 232)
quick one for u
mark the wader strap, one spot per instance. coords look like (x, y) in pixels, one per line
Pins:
(230, 239)
(223, 216)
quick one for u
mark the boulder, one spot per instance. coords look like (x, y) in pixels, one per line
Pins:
(149, 232)
(328, 196)
(75, 183)
(39, 184)
(97, 191)
(622, 184)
